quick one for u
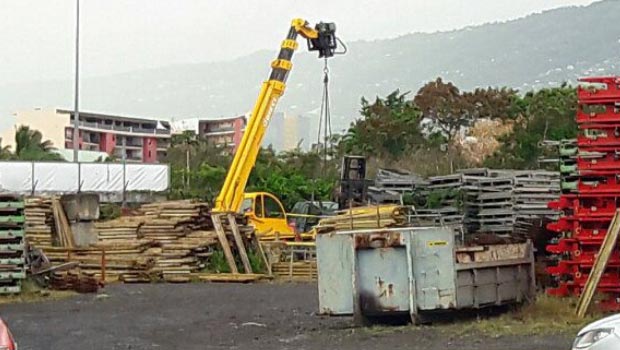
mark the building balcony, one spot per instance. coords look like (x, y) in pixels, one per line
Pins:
(124, 129)
(219, 129)
(218, 132)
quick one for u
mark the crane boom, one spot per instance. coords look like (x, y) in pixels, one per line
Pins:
(322, 39)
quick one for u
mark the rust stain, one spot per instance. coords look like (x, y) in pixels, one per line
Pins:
(378, 240)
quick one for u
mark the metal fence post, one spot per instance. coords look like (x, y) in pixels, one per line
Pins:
(32, 182)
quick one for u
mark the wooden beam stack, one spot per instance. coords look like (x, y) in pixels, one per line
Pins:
(39, 224)
(170, 241)
(364, 218)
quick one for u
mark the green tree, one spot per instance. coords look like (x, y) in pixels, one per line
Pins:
(29, 145)
(293, 176)
(389, 127)
(5, 151)
(449, 111)
(547, 114)
(198, 167)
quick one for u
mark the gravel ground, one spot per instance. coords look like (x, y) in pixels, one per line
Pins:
(224, 316)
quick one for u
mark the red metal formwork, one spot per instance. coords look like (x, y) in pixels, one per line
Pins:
(608, 185)
(590, 206)
(609, 285)
(608, 160)
(599, 113)
(573, 223)
(594, 198)
(607, 140)
(595, 90)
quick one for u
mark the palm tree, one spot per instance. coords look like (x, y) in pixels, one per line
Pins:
(29, 145)
(5, 151)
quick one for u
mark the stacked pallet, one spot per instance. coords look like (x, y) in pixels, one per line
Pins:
(39, 223)
(531, 193)
(488, 204)
(12, 244)
(444, 197)
(390, 185)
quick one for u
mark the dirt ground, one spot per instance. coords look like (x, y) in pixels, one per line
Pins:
(225, 316)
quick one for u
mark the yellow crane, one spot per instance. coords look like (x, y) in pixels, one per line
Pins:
(321, 38)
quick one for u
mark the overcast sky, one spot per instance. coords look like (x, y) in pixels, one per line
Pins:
(36, 36)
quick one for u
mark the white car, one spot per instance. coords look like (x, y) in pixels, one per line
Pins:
(600, 335)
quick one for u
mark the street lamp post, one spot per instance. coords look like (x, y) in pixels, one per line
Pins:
(76, 113)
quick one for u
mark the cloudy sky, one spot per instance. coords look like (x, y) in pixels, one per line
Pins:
(36, 36)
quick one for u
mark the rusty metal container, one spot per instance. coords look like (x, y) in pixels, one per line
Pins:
(416, 271)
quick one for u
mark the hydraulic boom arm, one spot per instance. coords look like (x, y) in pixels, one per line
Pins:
(321, 38)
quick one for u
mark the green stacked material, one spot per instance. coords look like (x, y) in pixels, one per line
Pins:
(12, 244)
(568, 165)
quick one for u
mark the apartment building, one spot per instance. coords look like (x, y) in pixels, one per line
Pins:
(135, 139)
(224, 132)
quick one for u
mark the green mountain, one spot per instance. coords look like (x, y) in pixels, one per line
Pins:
(532, 52)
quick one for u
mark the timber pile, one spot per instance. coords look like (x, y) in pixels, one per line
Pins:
(168, 241)
(122, 229)
(364, 218)
(39, 222)
(122, 259)
(61, 223)
(181, 229)
(74, 280)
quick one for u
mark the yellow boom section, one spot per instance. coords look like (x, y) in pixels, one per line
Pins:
(231, 194)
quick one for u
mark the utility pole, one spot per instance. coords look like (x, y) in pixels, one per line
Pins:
(187, 185)
(124, 159)
(76, 112)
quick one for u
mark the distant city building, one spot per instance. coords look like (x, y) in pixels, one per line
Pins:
(143, 140)
(287, 130)
(291, 131)
(223, 132)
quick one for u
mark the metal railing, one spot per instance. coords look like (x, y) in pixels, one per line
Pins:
(129, 129)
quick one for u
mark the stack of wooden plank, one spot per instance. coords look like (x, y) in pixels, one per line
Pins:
(122, 229)
(39, 223)
(178, 229)
(364, 218)
(170, 241)
(61, 223)
(116, 259)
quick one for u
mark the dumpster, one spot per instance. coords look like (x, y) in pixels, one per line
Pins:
(417, 271)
